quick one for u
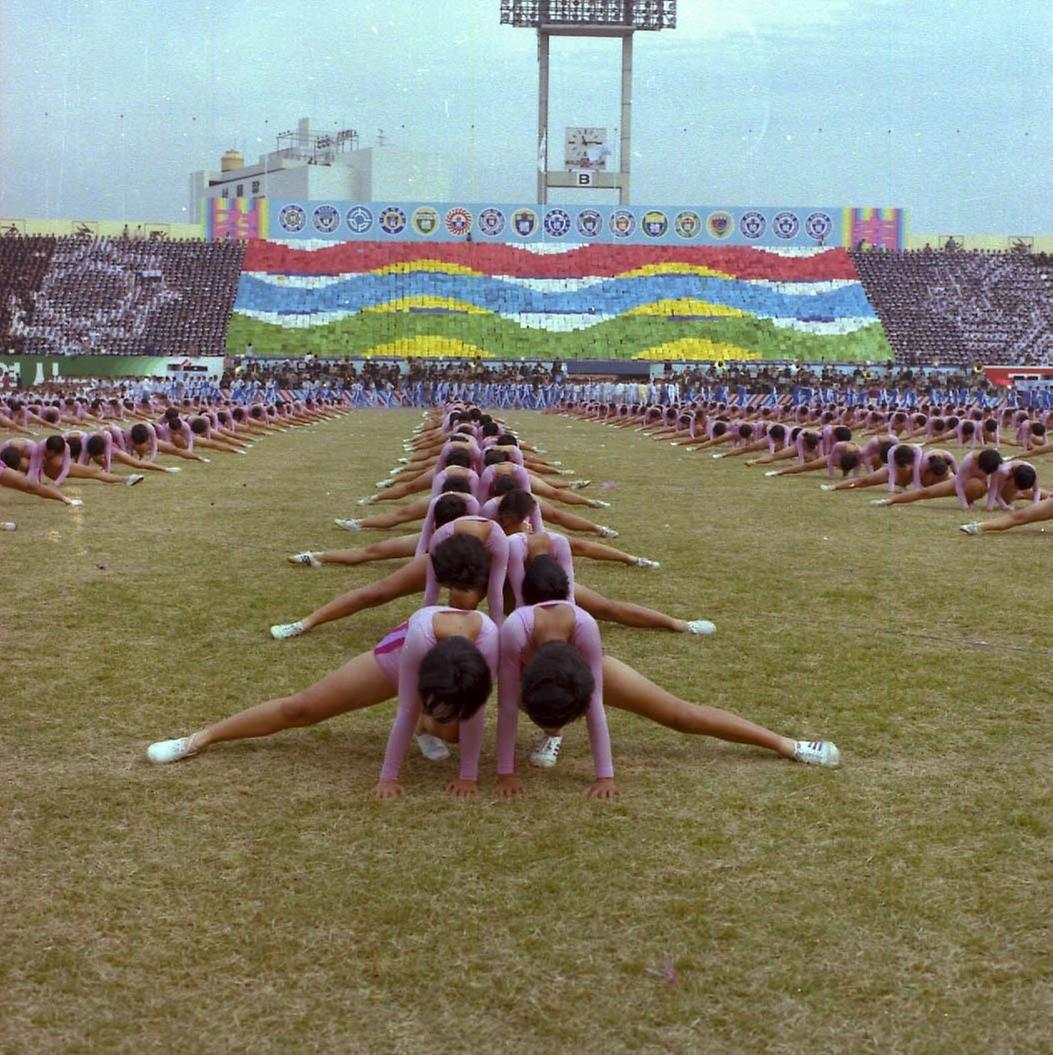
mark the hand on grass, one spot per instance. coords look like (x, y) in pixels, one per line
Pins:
(387, 789)
(509, 786)
(461, 788)
(602, 789)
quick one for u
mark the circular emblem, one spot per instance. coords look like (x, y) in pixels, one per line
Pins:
(654, 223)
(590, 223)
(622, 223)
(359, 219)
(720, 224)
(491, 222)
(818, 226)
(687, 224)
(326, 219)
(458, 221)
(752, 224)
(292, 218)
(557, 222)
(392, 220)
(524, 222)
(785, 225)
(425, 220)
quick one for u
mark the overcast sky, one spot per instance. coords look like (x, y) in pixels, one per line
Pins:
(941, 106)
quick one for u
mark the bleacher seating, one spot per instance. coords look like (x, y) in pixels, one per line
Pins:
(957, 308)
(117, 296)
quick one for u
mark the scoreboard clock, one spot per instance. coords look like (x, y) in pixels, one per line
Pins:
(586, 148)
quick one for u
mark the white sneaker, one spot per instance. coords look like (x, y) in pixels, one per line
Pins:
(75, 503)
(580, 485)
(133, 479)
(309, 560)
(368, 500)
(8, 525)
(881, 501)
(598, 503)
(546, 751)
(606, 532)
(432, 747)
(817, 753)
(828, 487)
(643, 562)
(718, 455)
(165, 751)
(280, 631)
(209, 460)
(772, 472)
(172, 469)
(381, 484)
(701, 626)
(403, 461)
(350, 524)
(971, 529)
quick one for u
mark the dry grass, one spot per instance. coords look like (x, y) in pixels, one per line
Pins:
(254, 899)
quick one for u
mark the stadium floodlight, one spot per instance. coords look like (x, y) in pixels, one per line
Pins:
(586, 18)
(610, 14)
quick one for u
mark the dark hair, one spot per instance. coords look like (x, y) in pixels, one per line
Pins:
(1037, 428)
(447, 508)
(461, 562)
(51, 416)
(11, 457)
(459, 437)
(458, 457)
(456, 485)
(842, 433)
(968, 428)
(1024, 477)
(140, 433)
(490, 428)
(849, 460)
(96, 444)
(777, 431)
(199, 426)
(884, 448)
(55, 444)
(73, 442)
(545, 580)
(904, 455)
(952, 421)
(557, 685)
(720, 428)
(745, 431)
(938, 465)
(938, 425)
(453, 681)
(990, 424)
(506, 439)
(494, 457)
(517, 504)
(989, 459)
(810, 440)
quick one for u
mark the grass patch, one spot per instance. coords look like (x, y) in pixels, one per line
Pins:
(254, 899)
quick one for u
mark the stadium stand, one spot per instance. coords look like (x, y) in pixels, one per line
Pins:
(117, 296)
(957, 308)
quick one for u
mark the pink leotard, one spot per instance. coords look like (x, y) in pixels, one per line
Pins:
(418, 641)
(496, 545)
(441, 477)
(485, 489)
(997, 481)
(516, 635)
(491, 507)
(968, 470)
(518, 545)
(428, 527)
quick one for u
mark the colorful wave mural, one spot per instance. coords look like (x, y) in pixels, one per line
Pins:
(594, 301)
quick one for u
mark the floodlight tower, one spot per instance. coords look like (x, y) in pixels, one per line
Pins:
(587, 18)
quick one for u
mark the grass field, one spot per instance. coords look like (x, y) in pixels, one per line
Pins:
(256, 900)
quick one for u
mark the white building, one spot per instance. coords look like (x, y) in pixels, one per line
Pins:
(313, 165)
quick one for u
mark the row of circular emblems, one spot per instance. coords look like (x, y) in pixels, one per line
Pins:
(556, 222)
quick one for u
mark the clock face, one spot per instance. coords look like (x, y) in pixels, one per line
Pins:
(586, 148)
